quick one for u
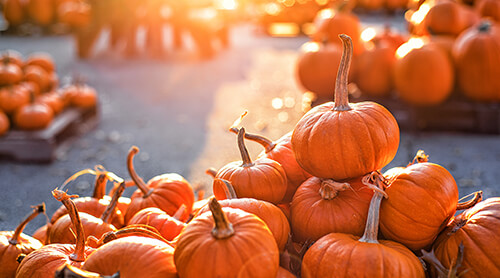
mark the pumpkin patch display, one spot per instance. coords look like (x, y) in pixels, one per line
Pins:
(240, 245)
(33, 116)
(341, 140)
(263, 179)
(168, 226)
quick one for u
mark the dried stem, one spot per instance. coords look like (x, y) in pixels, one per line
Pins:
(375, 182)
(222, 229)
(245, 157)
(478, 197)
(138, 180)
(341, 96)
(266, 143)
(110, 211)
(227, 187)
(19, 230)
(330, 189)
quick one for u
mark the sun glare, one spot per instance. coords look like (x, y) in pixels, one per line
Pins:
(310, 47)
(368, 34)
(413, 43)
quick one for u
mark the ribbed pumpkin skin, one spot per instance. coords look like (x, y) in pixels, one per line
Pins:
(480, 238)
(168, 226)
(424, 76)
(91, 206)
(283, 154)
(9, 252)
(274, 218)
(171, 191)
(345, 144)
(250, 252)
(134, 257)
(477, 58)
(44, 262)
(313, 217)
(341, 255)
(264, 180)
(446, 17)
(61, 230)
(375, 68)
(421, 199)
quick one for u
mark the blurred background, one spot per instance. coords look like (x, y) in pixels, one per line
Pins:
(172, 76)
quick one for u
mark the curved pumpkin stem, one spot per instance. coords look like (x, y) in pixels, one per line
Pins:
(245, 157)
(227, 187)
(374, 181)
(110, 210)
(263, 141)
(330, 189)
(211, 172)
(420, 157)
(131, 230)
(478, 197)
(36, 210)
(222, 229)
(79, 254)
(430, 258)
(179, 212)
(341, 96)
(138, 180)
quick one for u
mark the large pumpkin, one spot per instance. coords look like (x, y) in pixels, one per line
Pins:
(339, 140)
(423, 73)
(226, 242)
(344, 255)
(477, 58)
(477, 229)
(421, 199)
(263, 179)
(322, 206)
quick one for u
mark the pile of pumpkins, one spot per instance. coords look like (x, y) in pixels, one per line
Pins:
(73, 13)
(313, 204)
(30, 96)
(452, 49)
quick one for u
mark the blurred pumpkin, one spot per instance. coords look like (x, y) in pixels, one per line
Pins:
(53, 100)
(14, 12)
(449, 18)
(12, 56)
(41, 59)
(80, 95)
(76, 14)
(12, 98)
(10, 73)
(488, 9)
(41, 12)
(4, 123)
(33, 116)
(37, 75)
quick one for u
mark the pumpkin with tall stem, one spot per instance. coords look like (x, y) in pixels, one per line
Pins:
(14, 243)
(341, 140)
(167, 192)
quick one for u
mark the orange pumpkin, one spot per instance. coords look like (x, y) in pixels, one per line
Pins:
(41, 59)
(477, 57)
(168, 226)
(4, 123)
(167, 192)
(10, 73)
(13, 57)
(477, 229)
(421, 199)
(241, 244)
(53, 100)
(488, 9)
(12, 98)
(263, 179)
(37, 75)
(424, 74)
(33, 116)
(375, 67)
(15, 243)
(14, 12)
(344, 255)
(274, 218)
(315, 201)
(317, 67)
(80, 95)
(44, 262)
(370, 134)
(76, 14)
(281, 152)
(448, 17)
(41, 12)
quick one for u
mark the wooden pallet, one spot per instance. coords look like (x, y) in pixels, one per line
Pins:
(42, 145)
(455, 115)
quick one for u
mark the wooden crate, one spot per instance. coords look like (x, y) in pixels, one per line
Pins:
(42, 145)
(454, 115)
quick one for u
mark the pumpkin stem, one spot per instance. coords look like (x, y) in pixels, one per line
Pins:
(130, 230)
(100, 186)
(211, 172)
(263, 141)
(227, 187)
(341, 96)
(222, 229)
(138, 180)
(442, 272)
(111, 208)
(200, 194)
(430, 257)
(420, 157)
(457, 223)
(179, 212)
(373, 180)
(245, 157)
(478, 197)
(79, 254)
(330, 189)
(17, 233)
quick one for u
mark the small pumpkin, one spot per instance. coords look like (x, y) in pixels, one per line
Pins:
(4, 123)
(43, 60)
(423, 73)
(53, 100)
(80, 95)
(14, 12)
(168, 226)
(15, 243)
(33, 116)
(10, 73)
(167, 192)
(263, 179)
(477, 58)
(76, 14)
(421, 199)
(448, 17)
(323, 206)
(344, 255)
(370, 134)
(37, 75)
(44, 262)
(12, 56)
(240, 243)
(12, 98)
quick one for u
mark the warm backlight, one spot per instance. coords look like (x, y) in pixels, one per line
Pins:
(368, 34)
(285, 29)
(310, 47)
(405, 48)
(418, 16)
